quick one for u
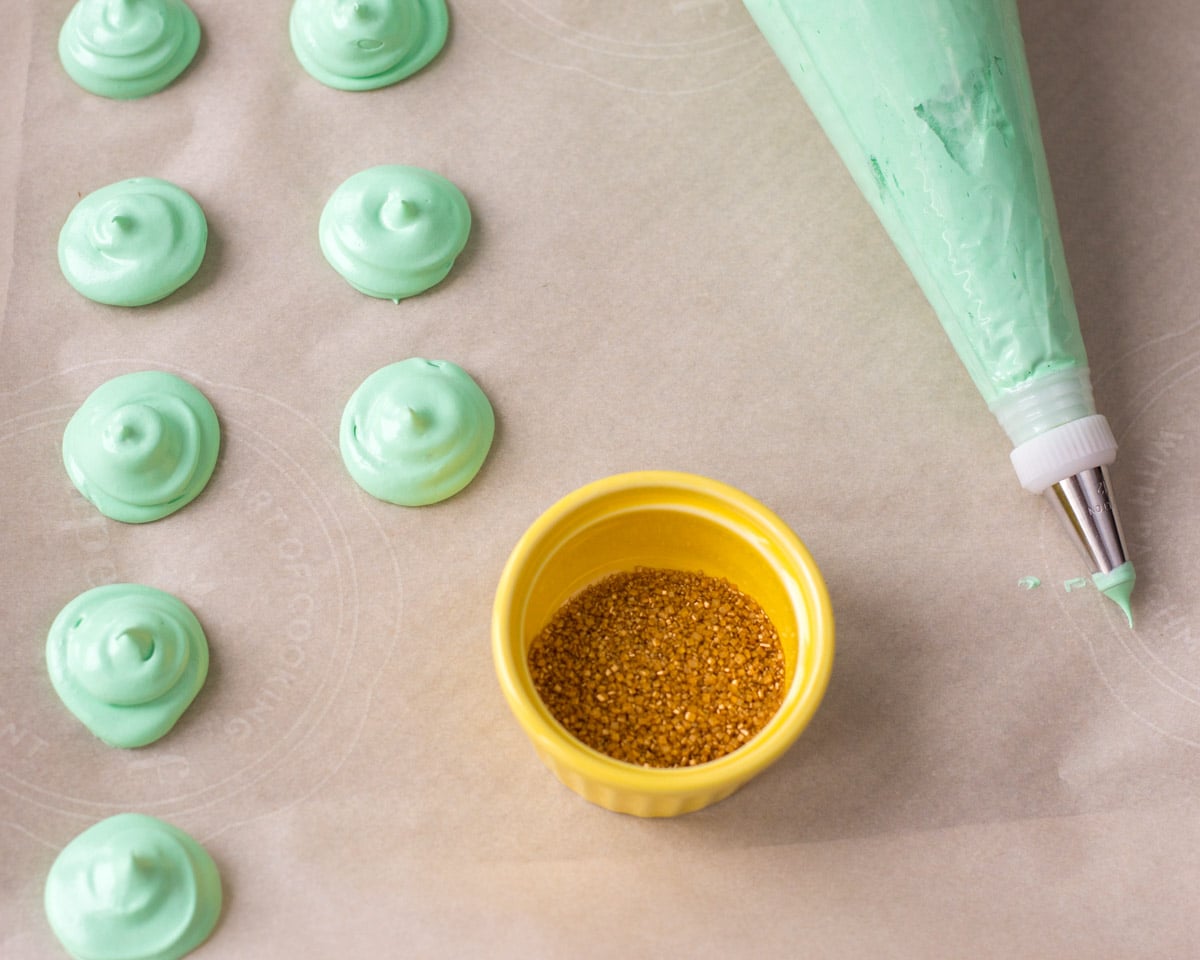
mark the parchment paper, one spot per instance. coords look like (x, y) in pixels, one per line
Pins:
(669, 268)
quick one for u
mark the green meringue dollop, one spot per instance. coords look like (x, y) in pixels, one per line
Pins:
(366, 44)
(416, 432)
(142, 446)
(127, 660)
(132, 887)
(394, 231)
(133, 242)
(124, 49)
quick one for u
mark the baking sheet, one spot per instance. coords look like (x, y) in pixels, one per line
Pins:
(668, 269)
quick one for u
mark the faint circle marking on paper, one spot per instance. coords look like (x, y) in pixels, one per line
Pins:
(1153, 670)
(676, 46)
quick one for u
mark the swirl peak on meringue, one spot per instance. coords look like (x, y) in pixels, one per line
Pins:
(142, 446)
(127, 660)
(132, 887)
(394, 231)
(366, 44)
(133, 242)
(125, 49)
(416, 432)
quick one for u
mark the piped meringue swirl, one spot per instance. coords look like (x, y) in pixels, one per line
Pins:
(416, 432)
(127, 660)
(394, 231)
(366, 44)
(135, 888)
(124, 49)
(133, 242)
(142, 446)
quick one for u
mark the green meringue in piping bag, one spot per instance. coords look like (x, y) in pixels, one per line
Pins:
(930, 106)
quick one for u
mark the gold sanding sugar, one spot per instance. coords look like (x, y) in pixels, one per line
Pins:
(661, 668)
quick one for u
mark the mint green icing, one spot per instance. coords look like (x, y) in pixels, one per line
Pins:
(125, 49)
(394, 231)
(133, 242)
(127, 660)
(416, 432)
(132, 888)
(366, 44)
(1117, 585)
(142, 446)
(929, 104)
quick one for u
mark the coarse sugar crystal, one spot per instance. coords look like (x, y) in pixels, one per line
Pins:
(661, 668)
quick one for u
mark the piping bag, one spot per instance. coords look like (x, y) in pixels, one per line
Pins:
(930, 106)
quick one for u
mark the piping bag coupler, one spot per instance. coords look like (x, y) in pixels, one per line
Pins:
(1069, 466)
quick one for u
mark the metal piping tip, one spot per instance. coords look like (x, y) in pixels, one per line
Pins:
(1085, 504)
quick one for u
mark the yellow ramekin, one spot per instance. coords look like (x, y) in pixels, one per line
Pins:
(680, 521)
